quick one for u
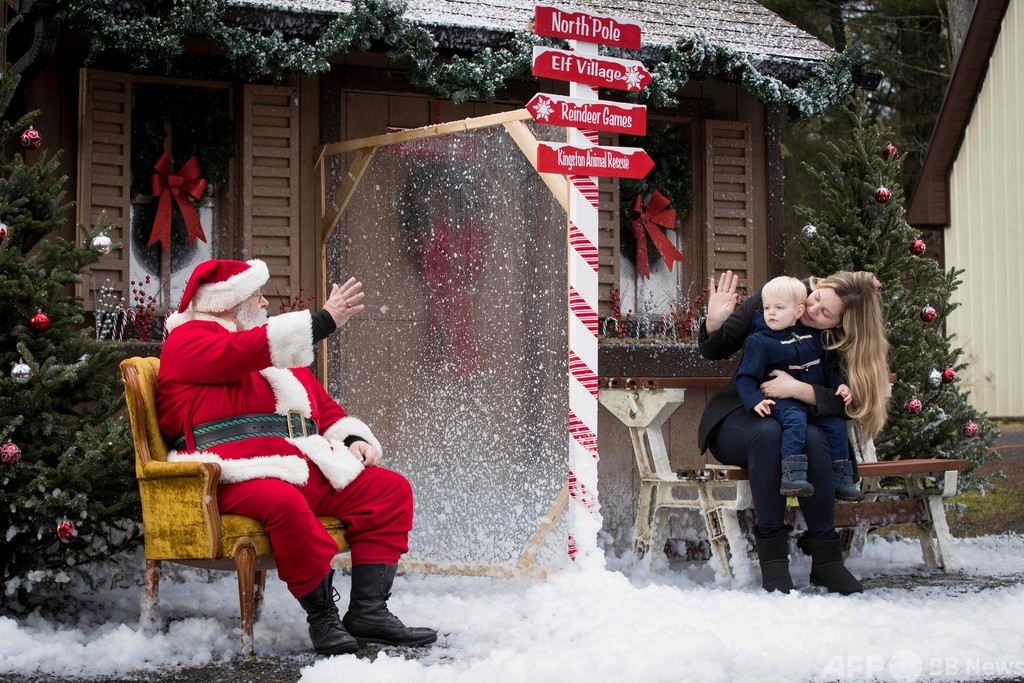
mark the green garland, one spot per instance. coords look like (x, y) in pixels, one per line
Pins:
(156, 42)
(826, 86)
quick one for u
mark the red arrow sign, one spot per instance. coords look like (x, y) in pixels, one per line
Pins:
(592, 28)
(602, 72)
(614, 162)
(615, 117)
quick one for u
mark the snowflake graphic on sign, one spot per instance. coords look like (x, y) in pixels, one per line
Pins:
(633, 77)
(544, 109)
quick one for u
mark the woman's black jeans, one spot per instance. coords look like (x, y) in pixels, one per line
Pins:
(748, 440)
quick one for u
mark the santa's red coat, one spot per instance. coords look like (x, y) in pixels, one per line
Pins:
(210, 371)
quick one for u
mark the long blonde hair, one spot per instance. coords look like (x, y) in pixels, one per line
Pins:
(863, 346)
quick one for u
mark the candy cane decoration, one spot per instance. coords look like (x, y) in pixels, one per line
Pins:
(585, 510)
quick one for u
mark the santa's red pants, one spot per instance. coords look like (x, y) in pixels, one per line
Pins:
(376, 510)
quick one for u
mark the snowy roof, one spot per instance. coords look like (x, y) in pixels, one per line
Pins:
(743, 25)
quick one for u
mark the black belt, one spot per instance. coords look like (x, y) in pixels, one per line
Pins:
(241, 427)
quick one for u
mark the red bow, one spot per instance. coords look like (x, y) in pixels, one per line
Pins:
(645, 222)
(185, 185)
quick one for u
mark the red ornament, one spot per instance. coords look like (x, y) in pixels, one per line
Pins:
(917, 247)
(913, 406)
(948, 375)
(31, 138)
(877, 284)
(40, 322)
(882, 195)
(929, 314)
(4, 231)
(10, 453)
(66, 530)
(890, 152)
(970, 430)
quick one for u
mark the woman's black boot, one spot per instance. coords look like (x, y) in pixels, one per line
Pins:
(827, 568)
(773, 555)
(368, 618)
(325, 630)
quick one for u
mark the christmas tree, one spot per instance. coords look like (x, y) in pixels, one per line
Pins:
(68, 481)
(861, 225)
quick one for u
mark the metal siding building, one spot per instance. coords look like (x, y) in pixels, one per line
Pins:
(984, 237)
(972, 184)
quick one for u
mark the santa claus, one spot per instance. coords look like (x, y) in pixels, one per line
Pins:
(234, 388)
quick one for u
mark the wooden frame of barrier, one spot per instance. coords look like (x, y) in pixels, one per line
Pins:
(329, 213)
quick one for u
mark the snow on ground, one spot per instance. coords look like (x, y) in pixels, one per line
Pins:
(623, 624)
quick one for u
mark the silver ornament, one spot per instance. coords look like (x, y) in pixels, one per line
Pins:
(810, 231)
(935, 378)
(21, 373)
(101, 244)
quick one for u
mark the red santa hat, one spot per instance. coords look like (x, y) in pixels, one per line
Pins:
(218, 285)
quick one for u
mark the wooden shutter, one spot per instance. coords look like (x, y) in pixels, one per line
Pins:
(729, 198)
(104, 173)
(270, 195)
(607, 235)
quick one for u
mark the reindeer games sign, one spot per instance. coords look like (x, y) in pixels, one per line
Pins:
(582, 159)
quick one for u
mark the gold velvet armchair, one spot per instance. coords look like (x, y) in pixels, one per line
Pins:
(179, 509)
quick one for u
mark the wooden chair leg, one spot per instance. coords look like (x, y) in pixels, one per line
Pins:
(152, 581)
(245, 565)
(261, 589)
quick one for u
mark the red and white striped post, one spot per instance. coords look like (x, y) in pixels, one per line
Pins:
(582, 160)
(585, 511)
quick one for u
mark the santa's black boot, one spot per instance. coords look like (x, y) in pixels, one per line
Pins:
(773, 556)
(827, 568)
(325, 630)
(368, 618)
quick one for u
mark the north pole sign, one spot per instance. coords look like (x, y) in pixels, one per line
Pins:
(613, 117)
(614, 162)
(590, 28)
(600, 72)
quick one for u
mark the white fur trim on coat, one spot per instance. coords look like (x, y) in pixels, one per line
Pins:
(289, 393)
(337, 463)
(217, 297)
(352, 426)
(290, 336)
(177, 319)
(289, 468)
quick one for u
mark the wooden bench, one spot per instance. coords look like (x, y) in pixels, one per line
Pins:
(720, 492)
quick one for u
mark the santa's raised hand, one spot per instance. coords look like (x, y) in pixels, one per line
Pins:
(343, 303)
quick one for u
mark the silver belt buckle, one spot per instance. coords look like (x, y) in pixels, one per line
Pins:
(292, 431)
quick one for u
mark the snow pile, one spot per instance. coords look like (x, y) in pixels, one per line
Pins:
(596, 625)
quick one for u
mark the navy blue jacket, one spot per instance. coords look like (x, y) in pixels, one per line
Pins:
(796, 350)
(726, 341)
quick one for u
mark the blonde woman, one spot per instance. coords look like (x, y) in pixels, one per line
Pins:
(845, 309)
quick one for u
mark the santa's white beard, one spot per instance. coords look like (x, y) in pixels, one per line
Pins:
(250, 317)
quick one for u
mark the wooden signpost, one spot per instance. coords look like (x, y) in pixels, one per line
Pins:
(602, 72)
(582, 160)
(614, 117)
(615, 162)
